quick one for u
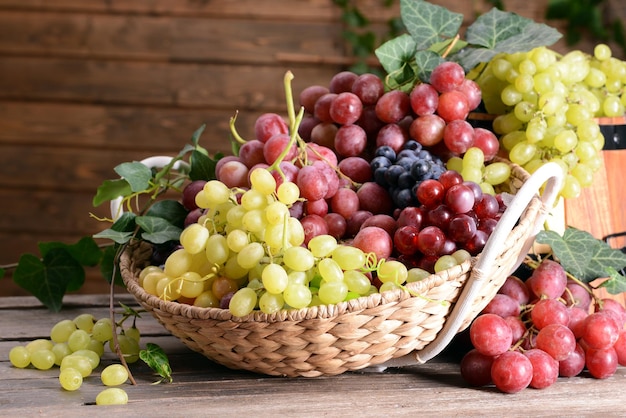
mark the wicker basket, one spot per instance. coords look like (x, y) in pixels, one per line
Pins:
(389, 329)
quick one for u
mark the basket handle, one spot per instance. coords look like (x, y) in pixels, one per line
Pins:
(157, 161)
(550, 173)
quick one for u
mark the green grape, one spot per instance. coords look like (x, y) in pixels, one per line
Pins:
(270, 303)
(233, 270)
(275, 278)
(60, 350)
(332, 292)
(297, 295)
(473, 174)
(194, 238)
(542, 57)
(524, 111)
(206, 299)
(102, 330)
(296, 232)
(417, 274)
(392, 271)
(236, 240)
(112, 396)
(94, 358)
(523, 84)
(348, 257)
(243, 302)
(602, 52)
(330, 270)
(357, 282)
(150, 282)
(612, 106)
(584, 174)
(42, 359)
(543, 82)
(128, 346)
(322, 245)
(551, 102)
(505, 123)
(298, 277)
(275, 237)
(522, 152)
(263, 181)
(276, 213)
(19, 356)
(80, 363)
(192, 285)
(474, 157)
(511, 139)
(86, 321)
(217, 251)
(39, 344)
(298, 258)
(596, 78)
(445, 262)
(585, 151)
(250, 255)
(70, 379)
(527, 66)
(288, 193)
(254, 220)
(96, 346)
(510, 96)
(253, 199)
(577, 113)
(571, 187)
(202, 200)
(565, 141)
(487, 188)
(177, 263)
(461, 256)
(168, 288)
(235, 215)
(62, 330)
(388, 286)
(114, 375)
(78, 340)
(455, 163)
(500, 68)
(217, 192)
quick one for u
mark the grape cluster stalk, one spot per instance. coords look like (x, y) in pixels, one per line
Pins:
(549, 326)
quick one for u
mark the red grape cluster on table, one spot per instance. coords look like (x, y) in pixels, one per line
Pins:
(548, 326)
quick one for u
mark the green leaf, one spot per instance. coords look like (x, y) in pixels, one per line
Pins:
(85, 251)
(202, 166)
(195, 137)
(573, 249)
(426, 62)
(497, 31)
(2, 272)
(172, 211)
(49, 278)
(108, 266)
(616, 283)
(157, 230)
(396, 53)
(157, 360)
(429, 23)
(581, 254)
(115, 236)
(138, 175)
(111, 189)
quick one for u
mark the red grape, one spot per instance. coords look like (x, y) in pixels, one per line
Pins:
(490, 334)
(511, 372)
(447, 76)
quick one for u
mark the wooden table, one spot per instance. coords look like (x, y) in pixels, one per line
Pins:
(202, 388)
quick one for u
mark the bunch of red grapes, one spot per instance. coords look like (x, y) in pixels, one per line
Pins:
(548, 326)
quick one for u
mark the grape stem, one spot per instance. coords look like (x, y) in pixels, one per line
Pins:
(233, 130)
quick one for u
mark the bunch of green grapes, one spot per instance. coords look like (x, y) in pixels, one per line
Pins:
(547, 107)
(246, 253)
(76, 347)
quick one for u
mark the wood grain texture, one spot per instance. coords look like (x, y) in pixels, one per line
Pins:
(202, 388)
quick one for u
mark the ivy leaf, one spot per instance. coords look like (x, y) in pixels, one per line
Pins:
(49, 278)
(497, 31)
(157, 360)
(137, 175)
(157, 230)
(581, 254)
(426, 62)
(396, 53)
(172, 211)
(616, 283)
(85, 251)
(121, 231)
(111, 189)
(573, 249)
(202, 166)
(428, 23)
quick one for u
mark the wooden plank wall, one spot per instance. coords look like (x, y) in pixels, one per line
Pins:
(88, 84)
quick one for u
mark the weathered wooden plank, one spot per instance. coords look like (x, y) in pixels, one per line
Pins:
(148, 130)
(152, 84)
(306, 10)
(159, 38)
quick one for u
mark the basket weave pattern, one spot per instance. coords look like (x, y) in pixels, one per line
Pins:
(330, 340)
